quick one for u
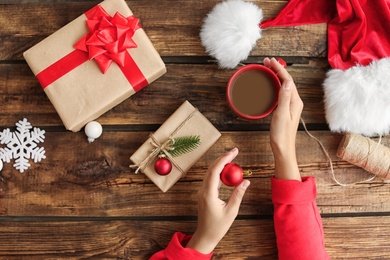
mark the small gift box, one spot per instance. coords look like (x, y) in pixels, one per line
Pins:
(94, 63)
(186, 121)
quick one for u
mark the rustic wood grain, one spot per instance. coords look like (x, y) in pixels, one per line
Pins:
(173, 28)
(83, 201)
(95, 179)
(137, 239)
(204, 86)
(124, 239)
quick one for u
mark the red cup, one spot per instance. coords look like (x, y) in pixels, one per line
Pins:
(273, 78)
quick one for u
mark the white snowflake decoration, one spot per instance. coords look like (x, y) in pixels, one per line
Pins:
(22, 145)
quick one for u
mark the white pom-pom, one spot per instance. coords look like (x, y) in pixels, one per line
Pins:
(230, 31)
(357, 100)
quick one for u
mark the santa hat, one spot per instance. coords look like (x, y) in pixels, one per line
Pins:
(357, 88)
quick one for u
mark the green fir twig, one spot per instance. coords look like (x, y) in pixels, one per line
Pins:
(184, 144)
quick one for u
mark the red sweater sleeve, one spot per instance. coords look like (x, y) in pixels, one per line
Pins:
(298, 224)
(176, 250)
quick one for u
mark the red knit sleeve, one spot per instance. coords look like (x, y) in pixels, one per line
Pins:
(298, 224)
(176, 250)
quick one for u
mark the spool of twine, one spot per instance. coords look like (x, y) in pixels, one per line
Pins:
(365, 153)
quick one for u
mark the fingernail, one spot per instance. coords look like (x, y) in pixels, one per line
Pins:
(245, 184)
(233, 150)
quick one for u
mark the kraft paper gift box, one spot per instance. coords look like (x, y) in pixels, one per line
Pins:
(94, 63)
(185, 121)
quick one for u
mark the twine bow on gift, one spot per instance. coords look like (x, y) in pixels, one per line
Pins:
(108, 38)
(158, 149)
(164, 148)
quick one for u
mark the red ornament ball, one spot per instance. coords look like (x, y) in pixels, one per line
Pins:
(163, 166)
(232, 174)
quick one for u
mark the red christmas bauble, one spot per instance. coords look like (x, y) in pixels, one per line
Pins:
(162, 166)
(232, 175)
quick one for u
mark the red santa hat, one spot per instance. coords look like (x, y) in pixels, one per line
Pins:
(357, 88)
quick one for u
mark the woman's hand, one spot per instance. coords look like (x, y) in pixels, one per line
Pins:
(215, 216)
(284, 124)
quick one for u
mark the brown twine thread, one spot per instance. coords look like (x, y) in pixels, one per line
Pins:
(164, 147)
(377, 161)
(331, 163)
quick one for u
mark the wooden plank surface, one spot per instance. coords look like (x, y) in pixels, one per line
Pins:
(136, 239)
(96, 179)
(173, 29)
(83, 200)
(204, 86)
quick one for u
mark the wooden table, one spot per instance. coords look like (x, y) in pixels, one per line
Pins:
(83, 200)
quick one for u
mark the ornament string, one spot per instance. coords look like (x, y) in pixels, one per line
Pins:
(164, 147)
(330, 160)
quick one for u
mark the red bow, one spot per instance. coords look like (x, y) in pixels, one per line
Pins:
(108, 38)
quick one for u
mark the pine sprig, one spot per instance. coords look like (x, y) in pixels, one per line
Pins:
(184, 144)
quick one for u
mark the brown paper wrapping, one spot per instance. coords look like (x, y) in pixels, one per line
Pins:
(85, 93)
(197, 124)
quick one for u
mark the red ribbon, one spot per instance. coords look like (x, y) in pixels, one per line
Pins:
(107, 41)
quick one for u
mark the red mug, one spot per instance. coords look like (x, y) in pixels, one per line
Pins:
(256, 105)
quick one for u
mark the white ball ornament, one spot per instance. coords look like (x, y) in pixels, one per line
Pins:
(93, 130)
(230, 31)
(1, 165)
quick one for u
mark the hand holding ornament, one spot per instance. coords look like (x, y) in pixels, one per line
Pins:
(214, 215)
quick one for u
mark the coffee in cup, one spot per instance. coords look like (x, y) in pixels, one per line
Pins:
(252, 91)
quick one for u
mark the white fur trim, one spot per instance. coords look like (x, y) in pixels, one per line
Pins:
(230, 31)
(358, 99)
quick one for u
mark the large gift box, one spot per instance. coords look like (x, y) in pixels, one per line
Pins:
(95, 62)
(185, 121)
